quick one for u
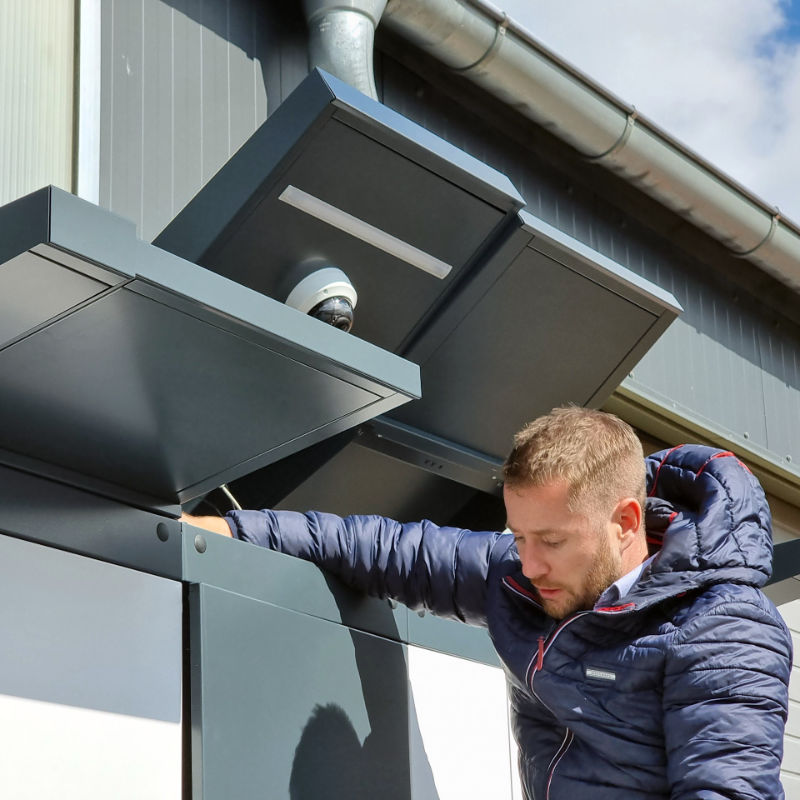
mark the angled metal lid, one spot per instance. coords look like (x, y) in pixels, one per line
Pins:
(128, 370)
(334, 177)
(547, 321)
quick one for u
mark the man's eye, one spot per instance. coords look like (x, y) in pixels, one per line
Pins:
(553, 542)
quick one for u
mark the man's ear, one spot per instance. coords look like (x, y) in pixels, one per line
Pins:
(628, 516)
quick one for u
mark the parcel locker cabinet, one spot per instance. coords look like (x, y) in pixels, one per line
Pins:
(336, 178)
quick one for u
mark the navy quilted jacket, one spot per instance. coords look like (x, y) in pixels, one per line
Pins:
(678, 690)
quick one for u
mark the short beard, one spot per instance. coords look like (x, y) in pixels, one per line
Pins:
(604, 570)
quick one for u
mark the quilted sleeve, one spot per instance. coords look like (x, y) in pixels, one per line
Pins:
(725, 703)
(422, 565)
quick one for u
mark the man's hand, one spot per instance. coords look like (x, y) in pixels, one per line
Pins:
(213, 524)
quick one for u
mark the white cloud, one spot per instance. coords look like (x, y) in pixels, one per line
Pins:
(722, 76)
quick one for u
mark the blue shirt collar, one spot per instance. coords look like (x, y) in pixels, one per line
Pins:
(623, 585)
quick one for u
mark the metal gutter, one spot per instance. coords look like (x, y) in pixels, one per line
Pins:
(481, 42)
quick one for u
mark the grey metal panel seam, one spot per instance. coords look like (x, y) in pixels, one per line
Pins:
(496, 242)
(467, 295)
(63, 314)
(51, 513)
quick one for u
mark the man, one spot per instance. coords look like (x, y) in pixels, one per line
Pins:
(630, 675)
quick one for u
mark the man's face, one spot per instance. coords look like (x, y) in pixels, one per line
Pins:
(570, 557)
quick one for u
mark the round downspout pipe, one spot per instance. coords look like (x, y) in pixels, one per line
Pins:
(341, 38)
(478, 40)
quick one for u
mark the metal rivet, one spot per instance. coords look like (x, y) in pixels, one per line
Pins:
(200, 543)
(789, 459)
(746, 435)
(162, 531)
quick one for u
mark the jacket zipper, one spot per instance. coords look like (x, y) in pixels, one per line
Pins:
(544, 646)
(567, 741)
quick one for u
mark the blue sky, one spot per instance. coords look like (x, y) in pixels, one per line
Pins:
(792, 10)
(723, 76)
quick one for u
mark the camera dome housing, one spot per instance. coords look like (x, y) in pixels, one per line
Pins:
(326, 294)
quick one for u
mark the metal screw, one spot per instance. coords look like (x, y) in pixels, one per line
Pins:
(200, 543)
(789, 459)
(162, 531)
(746, 435)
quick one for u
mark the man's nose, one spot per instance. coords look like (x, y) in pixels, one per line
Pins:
(533, 567)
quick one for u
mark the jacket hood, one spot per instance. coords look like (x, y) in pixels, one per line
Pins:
(709, 514)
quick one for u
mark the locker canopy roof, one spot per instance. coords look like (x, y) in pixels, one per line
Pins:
(134, 373)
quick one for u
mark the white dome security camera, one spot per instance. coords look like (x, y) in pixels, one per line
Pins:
(327, 295)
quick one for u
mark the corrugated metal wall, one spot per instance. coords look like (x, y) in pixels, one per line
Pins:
(729, 364)
(185, 83)
(36, 86)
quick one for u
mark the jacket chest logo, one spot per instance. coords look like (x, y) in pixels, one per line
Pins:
(600, 674)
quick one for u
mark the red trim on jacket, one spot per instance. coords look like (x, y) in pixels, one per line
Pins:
(514, 585)
(617, 608)
(726, 454)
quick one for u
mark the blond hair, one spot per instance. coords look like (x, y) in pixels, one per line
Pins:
(597, 454)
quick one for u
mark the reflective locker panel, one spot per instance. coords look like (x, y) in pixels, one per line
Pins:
(90, 678)
(289, 706)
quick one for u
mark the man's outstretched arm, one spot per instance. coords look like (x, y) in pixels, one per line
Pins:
(420, 564)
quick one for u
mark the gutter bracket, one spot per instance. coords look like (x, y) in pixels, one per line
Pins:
(630, 123)
(499, 37)
(773, 226)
